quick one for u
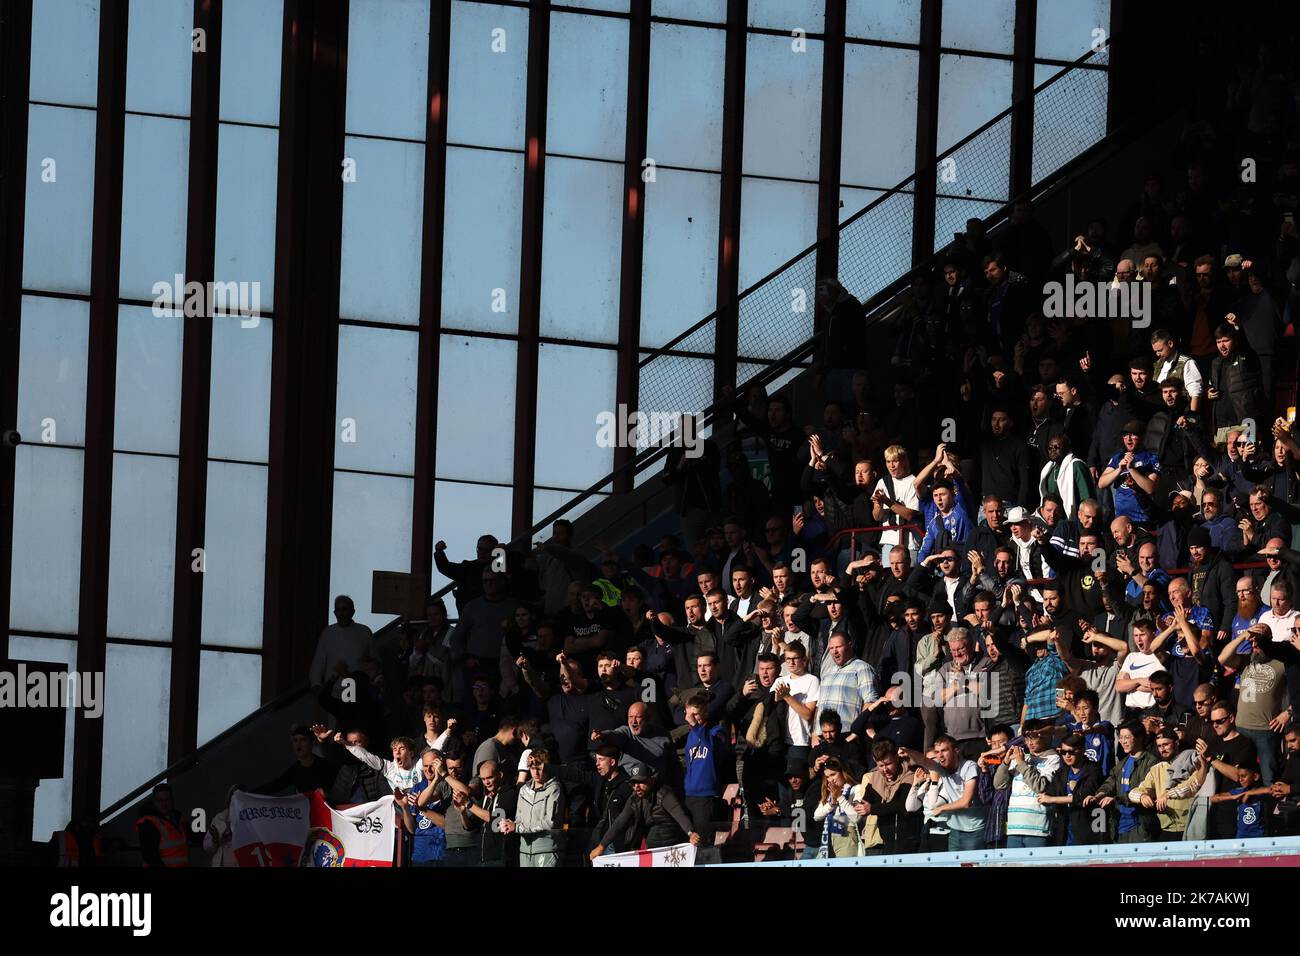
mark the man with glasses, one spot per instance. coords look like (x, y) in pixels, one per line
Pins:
(1077, 779)
(1247, 616)
(962, 687)
(800, 692)
(1135, 823)
(1283, 564)
(1198, 721)
(948, 586)
(1262, 525)
(1225, 751)
(1223, 530)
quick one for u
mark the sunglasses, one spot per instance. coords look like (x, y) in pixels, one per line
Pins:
(1069, 753)
(1221, 720)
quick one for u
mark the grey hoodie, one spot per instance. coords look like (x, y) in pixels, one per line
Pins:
(539, 817)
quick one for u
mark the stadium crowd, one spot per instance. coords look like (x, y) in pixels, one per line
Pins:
(1027, 581)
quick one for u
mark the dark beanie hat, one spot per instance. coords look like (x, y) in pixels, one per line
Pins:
(1198, 538)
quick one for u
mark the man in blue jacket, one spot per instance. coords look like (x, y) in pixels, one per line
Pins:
(709, 758)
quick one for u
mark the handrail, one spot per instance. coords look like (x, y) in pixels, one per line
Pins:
(193, 758)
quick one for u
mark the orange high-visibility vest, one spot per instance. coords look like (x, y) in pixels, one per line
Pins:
(69, 852)
(172, 846)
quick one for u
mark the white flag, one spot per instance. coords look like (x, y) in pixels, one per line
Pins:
(681, 854)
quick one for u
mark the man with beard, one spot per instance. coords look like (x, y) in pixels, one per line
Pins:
(1262, 711)
(1212, 581)
(899, 656)
(1064, 475)
(1171, 535)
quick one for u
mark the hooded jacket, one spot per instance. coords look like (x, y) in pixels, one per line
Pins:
(539, 817)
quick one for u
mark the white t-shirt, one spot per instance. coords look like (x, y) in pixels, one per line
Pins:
(798, 731)
(904, 494)
(1138, 667)
(1280, 626)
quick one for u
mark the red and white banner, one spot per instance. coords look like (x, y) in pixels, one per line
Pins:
(364, 835)
(304, 830)
(268, 831)
(681, 854)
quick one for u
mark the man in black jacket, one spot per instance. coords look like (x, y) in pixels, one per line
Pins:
(1073, 824)
(730, 638)
(468, 575)
(356, 782)
(654, 814)
(1235, 385)
(1213, 581)
(606, 788)
(1005, 461)
(699, 492)
(760, 721)
(308, 772)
